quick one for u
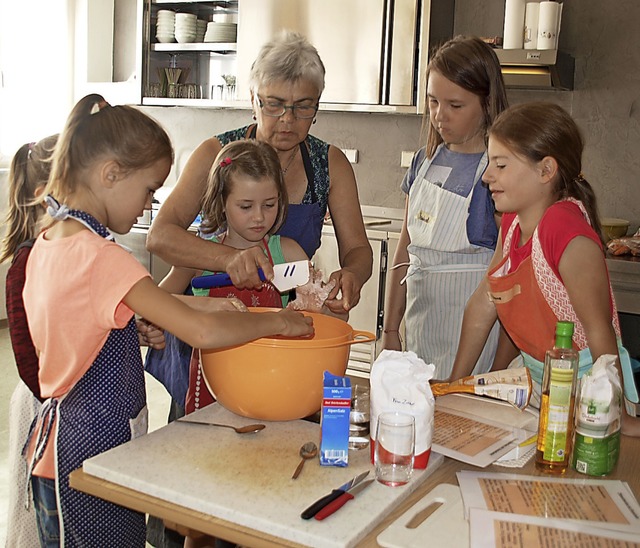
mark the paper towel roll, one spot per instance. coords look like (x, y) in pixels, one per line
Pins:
(548, 25)
(531, 25)
(513, 24)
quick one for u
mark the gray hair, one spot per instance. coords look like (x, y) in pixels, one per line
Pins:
(289, 57)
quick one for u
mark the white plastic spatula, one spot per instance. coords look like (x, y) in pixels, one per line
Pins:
(286, 276)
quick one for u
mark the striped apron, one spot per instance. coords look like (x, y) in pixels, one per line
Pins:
(444, 270)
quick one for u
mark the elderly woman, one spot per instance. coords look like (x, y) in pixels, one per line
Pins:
(287, 79)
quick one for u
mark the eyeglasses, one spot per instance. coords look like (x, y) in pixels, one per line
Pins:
(277, 109)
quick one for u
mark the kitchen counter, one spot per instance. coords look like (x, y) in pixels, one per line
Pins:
(243, 483)
(253, 478)
(624, 273)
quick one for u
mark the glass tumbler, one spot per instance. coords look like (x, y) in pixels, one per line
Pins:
(394, 448)
(359, 417)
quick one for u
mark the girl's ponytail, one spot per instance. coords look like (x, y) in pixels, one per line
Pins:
(29, 170)
(580, 189)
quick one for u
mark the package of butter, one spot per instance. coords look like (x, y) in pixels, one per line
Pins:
(510, 385)
(334, 420)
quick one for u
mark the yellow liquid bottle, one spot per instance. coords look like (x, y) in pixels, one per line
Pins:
(555, 429)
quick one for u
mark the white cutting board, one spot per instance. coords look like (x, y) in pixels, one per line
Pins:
(446, 526)
(246, 479)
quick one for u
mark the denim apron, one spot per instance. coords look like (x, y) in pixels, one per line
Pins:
(444, 270)
(105, 408)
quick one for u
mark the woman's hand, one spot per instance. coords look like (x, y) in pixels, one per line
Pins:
(295, 324)
(312, 295)
(150, 335)
(242, 266)
(345, 293)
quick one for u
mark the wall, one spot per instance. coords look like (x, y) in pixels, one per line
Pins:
(603, 39)
(605, 103)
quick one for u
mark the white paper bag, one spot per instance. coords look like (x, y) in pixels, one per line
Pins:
(399, 382)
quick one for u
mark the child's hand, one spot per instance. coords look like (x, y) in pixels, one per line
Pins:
(312, 295)
(232, 304)
(214, 304)
(150, 335)
(630, 425)
(295, 324)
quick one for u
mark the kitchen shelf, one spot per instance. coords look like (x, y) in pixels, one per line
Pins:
(232, 4)
(222, 48)
(207, 65)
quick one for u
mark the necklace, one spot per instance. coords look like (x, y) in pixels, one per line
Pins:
(286, 168)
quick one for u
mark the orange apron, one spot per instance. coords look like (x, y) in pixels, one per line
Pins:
(531, 300)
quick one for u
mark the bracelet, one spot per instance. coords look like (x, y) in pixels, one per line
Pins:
(391, 331)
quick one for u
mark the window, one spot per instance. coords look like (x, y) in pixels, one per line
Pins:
(36, 64)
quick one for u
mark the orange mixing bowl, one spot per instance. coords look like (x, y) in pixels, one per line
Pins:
(280, 379)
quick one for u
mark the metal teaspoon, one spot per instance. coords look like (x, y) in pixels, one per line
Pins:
(307, 451)
(248, 429)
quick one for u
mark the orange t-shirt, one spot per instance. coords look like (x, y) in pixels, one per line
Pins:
(73, 299)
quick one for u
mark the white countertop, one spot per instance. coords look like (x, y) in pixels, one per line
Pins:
(246, 479)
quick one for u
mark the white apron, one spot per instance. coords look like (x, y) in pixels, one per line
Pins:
(444, 270)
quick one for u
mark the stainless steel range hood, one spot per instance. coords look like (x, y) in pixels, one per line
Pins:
(536, 69)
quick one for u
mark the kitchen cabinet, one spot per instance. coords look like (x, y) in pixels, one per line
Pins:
(209, 66)
(108, 40)
(375, 51)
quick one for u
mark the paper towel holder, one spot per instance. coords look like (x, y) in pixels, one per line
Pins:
(536, 69)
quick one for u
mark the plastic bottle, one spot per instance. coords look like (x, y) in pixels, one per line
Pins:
(598, 419)
(555, 429)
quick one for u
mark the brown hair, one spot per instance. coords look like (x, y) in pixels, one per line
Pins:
(95, 130)
(539, 129)
(252, 158)
(30, 169)
(473, 65)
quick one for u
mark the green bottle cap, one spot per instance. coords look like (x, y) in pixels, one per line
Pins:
(564, 329)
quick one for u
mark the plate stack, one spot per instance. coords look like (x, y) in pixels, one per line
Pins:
(186, 25)
(201, 28)
(165, 26)
(221, 32)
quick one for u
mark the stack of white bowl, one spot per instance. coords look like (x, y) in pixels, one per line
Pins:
(165, 26)
(221, 32)
(186, 25)
(201, 29)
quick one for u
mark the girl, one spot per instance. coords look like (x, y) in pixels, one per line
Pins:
(28, 174)
(549, 264)
(449, 230)
(81, 293)
(244, 204)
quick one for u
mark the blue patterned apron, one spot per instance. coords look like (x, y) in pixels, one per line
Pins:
(105, 408)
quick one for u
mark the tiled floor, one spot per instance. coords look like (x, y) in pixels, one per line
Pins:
(157, 399)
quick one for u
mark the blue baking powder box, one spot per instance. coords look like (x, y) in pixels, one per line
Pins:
(334, 420)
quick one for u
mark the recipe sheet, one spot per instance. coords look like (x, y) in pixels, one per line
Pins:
(603, 503)
(476, 441)
(499, 530)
